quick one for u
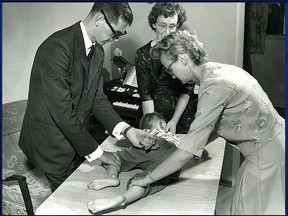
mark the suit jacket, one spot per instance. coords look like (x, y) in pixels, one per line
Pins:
(63, 93)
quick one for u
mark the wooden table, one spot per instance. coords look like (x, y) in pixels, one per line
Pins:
(194, 193)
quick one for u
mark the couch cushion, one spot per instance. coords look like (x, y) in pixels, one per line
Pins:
(39, 188)
(12, 156)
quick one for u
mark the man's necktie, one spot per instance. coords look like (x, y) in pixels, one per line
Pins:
(91, 52)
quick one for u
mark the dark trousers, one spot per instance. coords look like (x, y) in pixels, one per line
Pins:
(56, 180)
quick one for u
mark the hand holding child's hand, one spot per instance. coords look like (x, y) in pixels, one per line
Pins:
(140, 182)
(141, 139)
(171, 126)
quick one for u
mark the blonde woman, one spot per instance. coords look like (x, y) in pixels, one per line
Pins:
(231, 105)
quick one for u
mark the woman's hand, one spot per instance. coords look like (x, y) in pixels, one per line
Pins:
(171, 126)
(141, 182)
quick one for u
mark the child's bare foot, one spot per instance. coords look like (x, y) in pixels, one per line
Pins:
(99, 184)
(98, 205)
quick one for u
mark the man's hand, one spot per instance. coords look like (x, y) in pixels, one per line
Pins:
(110, 158)
(141, 139)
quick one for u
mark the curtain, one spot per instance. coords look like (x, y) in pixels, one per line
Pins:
(256, 19)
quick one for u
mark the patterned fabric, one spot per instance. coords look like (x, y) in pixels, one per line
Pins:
(15, 162)
(168, 136)
(260, 187)
(12, 156)
(12, 200)
(155, 84)
(12, 116)
(232, 105)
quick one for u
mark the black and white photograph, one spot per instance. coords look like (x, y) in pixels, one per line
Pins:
(143, 108)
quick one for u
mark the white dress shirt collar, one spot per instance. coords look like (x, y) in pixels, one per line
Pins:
(87, 40)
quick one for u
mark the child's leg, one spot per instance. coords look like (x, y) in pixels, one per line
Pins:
(111, 180)
(134, 193)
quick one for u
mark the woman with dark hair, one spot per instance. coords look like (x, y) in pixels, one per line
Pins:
(159, 92)
(231, 105)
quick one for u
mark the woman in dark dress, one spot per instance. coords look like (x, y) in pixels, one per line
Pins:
(159, 91)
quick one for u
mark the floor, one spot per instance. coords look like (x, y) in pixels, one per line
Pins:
(224, 199)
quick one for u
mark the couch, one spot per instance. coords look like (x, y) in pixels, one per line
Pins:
(15, 166)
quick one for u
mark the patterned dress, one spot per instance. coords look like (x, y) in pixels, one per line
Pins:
(233, 105)
(155, 84)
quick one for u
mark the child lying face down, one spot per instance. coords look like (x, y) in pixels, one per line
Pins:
(133, 157)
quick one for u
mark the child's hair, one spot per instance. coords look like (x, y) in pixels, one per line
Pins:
(152, 121)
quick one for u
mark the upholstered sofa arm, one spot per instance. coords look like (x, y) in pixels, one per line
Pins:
(6, 173)
(18, 178)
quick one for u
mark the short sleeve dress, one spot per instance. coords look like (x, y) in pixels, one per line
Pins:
(155, 84)
(233, 105)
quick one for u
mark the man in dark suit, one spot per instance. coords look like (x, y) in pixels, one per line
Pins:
(66, 88)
